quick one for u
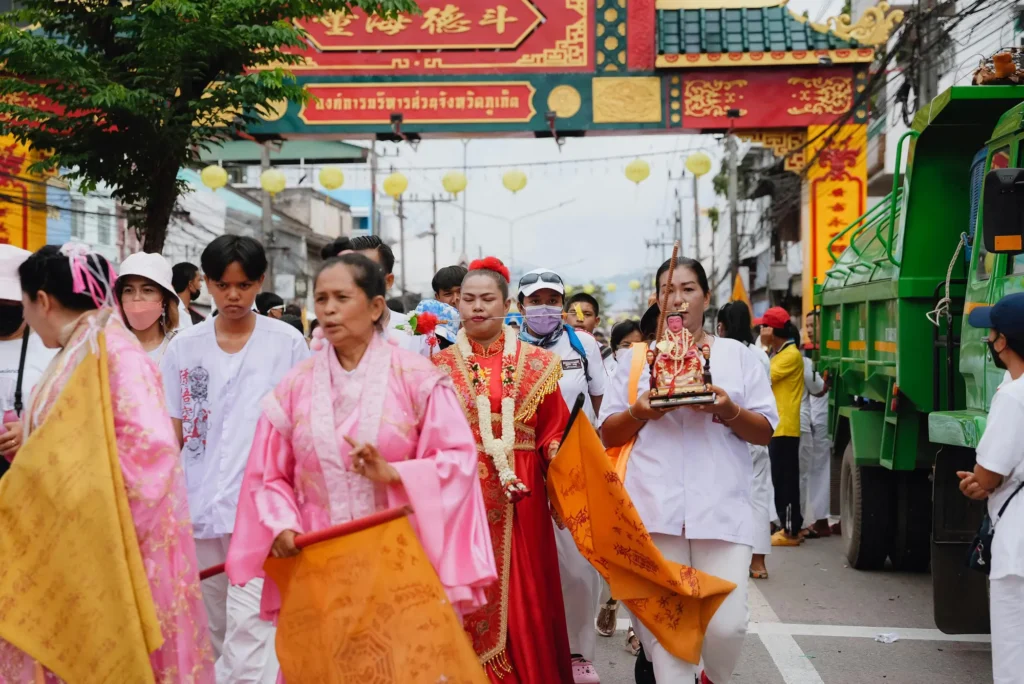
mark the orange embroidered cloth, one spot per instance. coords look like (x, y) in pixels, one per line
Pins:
(673, 601)
(368, 607)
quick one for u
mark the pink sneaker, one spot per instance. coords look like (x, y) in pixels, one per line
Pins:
(583, 672)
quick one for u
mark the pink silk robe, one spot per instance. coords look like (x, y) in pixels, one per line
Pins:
(149, 454)
(299, 478)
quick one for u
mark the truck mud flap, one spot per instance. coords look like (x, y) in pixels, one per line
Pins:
(960, 595)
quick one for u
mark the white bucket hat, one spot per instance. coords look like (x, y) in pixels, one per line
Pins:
(11, 258)
(152, 266)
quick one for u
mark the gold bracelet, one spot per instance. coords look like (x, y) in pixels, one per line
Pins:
(739, 410)
(630, 412)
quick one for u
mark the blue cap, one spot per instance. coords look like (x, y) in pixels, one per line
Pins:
(1006, 316)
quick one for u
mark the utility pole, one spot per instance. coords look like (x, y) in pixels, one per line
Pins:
(663, 243)
(465, 169)
(374, 228)
(696, 222)
(734, 225)
(433, 201)
(267, 218)
(928, 80)
(401, 242)
(679, 216)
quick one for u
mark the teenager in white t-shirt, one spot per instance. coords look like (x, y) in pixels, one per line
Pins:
(998, 477)
(541, 297)
(16, 341)
(215, 376)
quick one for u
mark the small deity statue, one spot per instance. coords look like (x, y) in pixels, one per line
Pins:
(677, 375)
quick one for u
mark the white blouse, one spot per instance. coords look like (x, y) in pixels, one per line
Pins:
(688, 469)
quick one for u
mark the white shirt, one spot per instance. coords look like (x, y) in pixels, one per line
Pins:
(1001, 450)
(574, 379)
(37, 358)
(184, 317)
(762, 356)
(417, 344)
(157, 353)
(813, 410)
(686, 470)
(217, 397)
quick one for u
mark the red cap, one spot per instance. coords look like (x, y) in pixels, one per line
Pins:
(759, 321)
(775, 317)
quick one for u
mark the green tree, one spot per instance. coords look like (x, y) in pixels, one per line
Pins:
(139, 87)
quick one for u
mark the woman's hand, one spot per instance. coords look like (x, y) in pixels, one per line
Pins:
(284, 546)
(368, 462)
(10, 441)
(642, 409)
(970, 486)
(723, 407)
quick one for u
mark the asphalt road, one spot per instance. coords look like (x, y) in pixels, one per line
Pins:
(815, 621)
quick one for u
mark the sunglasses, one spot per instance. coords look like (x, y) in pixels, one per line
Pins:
(545, 277)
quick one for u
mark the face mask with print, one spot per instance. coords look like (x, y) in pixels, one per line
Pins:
(543, 320)
(141, 315)
(11, 318)
(995, 355)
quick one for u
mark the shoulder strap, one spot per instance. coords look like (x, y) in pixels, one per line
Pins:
(1007, 502)
(577, 346)
(18, 406)
(636, 368)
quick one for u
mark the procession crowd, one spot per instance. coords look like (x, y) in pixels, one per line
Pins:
(239, 432)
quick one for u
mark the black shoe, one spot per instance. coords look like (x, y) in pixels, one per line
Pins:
(643, 671)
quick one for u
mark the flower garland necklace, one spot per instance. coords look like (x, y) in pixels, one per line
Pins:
(499, 450)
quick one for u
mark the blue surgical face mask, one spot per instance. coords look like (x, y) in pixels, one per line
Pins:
(543, 320)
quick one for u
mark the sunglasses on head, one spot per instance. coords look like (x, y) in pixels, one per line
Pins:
(545, 277)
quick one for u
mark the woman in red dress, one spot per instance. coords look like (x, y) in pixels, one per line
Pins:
(509, 391)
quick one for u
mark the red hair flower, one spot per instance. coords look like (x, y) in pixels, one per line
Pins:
(491, 264)
(425, 323)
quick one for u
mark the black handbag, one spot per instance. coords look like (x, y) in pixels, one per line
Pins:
(980, 556)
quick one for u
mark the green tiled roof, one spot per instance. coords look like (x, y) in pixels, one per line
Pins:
(764, 29)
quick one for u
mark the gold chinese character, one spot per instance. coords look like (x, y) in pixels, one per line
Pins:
(336, 23)
(447, 20)
(391, 27)
(497, 18)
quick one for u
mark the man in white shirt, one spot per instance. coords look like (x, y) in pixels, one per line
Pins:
(215, 377)
(815, 453)
(998, 477)
(23, 357)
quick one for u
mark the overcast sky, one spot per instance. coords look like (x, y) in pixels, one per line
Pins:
(598, 236)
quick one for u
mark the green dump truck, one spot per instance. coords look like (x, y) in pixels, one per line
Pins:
(911, 380)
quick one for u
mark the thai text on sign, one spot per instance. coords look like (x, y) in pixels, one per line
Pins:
(364, 103)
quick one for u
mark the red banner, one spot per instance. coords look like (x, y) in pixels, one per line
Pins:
(463, 36)
(765, 98)
(372, 103)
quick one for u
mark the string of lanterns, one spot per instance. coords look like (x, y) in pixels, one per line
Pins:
(454, 182)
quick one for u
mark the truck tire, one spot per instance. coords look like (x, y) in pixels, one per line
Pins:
(866, 504)
(910, 543)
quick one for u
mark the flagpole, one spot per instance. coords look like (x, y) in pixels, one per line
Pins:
(304, 540)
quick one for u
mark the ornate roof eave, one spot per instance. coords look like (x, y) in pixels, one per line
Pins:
(872, 29)
(781, 58)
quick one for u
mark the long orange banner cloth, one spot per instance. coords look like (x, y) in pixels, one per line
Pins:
(368, 608)
(673, 601)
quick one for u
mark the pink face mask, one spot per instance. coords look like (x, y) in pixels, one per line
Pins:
(141, 315)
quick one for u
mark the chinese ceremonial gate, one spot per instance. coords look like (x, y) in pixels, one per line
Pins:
(577, 67)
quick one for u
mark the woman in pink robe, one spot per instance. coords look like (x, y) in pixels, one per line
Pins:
(360, 427)
(146, 447)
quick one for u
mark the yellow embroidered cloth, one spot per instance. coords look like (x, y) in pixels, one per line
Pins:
(673, 601)
(73, 589)
(368, 608)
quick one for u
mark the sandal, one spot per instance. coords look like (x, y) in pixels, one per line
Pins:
(583, 672)
(632, 642)
(758, 574)
(606, 618)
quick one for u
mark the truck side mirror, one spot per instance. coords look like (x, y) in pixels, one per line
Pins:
(1003, 211)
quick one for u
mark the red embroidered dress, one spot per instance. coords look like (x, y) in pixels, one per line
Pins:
(520, 634)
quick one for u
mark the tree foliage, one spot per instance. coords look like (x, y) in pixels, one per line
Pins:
(126, 92)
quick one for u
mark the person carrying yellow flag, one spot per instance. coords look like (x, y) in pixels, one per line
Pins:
(98, 581)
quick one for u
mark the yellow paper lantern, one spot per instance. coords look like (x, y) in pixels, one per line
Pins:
(634, 285)
(395, 184)
(514, 180)
(589, 289)
(610, 320)
(273, 181)
(454, 182)
(638, 170)
(214, 177)
(611, 287)
(698, 164)
(331, 177)
(569, 289)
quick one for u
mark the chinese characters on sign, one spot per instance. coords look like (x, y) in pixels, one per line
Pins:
(443, 25)
(367, 103)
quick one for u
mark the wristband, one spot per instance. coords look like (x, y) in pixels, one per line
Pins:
(630, 412)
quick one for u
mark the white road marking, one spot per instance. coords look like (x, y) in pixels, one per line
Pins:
(911, 634)
(789, 658)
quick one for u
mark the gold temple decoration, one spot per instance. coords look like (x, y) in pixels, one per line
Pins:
(564, 101)
(627, 99)
(873, 28)
(822, 95)
(703, 97)
(783, 144)
(715, 4)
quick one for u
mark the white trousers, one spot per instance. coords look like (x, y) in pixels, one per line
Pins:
(762, 499)
(581, 591)
(815, 474)
(723, 641)
(1006, 597)
(242, 642)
